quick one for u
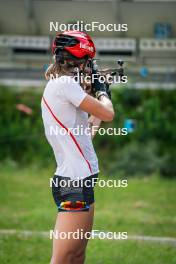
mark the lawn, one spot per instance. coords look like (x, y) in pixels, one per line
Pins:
(146, 207)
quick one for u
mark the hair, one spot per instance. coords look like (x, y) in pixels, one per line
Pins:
(63, 66)
(56, 70)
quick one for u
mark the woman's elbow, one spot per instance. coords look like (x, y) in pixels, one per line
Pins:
(109, 116)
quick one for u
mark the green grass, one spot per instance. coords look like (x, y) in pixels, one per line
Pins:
(145, 207)
(35, 250)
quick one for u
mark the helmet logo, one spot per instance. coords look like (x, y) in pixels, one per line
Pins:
(84, 46)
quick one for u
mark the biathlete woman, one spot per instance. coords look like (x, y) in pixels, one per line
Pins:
(65, 106)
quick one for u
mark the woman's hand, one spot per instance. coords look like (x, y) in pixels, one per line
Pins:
(94, 123)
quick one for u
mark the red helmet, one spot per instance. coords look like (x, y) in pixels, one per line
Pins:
(77, 43)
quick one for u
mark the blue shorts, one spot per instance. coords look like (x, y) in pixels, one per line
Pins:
(73, 196)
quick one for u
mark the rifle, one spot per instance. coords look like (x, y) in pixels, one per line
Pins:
(106, 75)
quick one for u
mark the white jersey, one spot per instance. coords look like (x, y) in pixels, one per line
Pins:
(66, 128)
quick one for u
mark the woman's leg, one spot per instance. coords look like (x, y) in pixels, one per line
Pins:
(71, 251)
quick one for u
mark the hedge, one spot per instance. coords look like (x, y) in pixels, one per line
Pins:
(150, 148)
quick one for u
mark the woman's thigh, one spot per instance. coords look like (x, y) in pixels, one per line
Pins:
(68, 222)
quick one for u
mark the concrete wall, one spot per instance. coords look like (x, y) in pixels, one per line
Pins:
(140, 16)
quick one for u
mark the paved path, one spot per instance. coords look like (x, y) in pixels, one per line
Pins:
(29, 233)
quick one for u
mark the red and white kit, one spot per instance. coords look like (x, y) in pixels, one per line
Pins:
(75, 155)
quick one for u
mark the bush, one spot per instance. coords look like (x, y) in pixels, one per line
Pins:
(167, 165)
(22, 136)
(136, 159)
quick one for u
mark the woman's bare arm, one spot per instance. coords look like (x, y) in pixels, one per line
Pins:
(102, 108)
